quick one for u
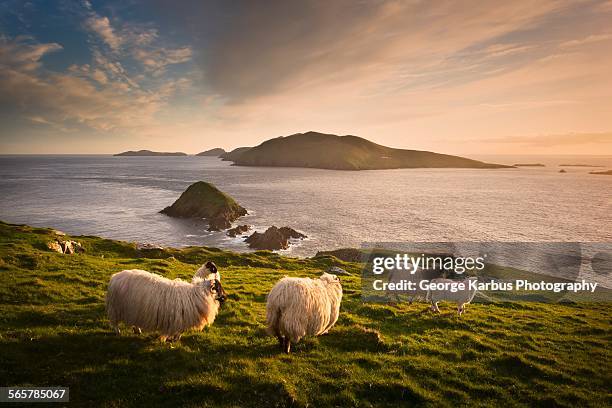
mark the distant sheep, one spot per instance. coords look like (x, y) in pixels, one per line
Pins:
(299, 307)
(460, 297)
(154, 303)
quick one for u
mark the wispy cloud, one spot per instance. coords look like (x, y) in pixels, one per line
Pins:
(102, 27)
(586, 40)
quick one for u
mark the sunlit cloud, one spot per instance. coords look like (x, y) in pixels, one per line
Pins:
(428, 75)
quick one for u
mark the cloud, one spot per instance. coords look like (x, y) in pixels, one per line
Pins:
(586, 40)
(158, 58)
(23, 54)
(101, 97)
(260, 49)
(102, 27)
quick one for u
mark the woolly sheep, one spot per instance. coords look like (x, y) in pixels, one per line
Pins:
(154, 303)
(299, 307)
(461, 297)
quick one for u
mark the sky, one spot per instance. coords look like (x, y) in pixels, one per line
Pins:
(458, 77)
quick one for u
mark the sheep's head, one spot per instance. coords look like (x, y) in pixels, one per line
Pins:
(217, 289)
(208, 271)
(329, 278)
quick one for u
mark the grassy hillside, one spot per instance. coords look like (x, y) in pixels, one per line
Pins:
(326, 151)
(53, 331)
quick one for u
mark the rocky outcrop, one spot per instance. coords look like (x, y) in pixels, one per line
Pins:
(273, 238)
(66, 247)
(602, 173)
(203, 200)
(238, 230)
(337, 271)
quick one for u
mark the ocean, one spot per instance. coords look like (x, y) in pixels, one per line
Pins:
(120, 197)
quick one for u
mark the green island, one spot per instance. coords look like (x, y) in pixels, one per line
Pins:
(328, 151)
(53, 331)
(204, 200)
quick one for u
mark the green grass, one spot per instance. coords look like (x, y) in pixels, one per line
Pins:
(53, 331)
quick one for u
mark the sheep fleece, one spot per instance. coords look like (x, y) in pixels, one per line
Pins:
(298, 307)
(155, 303)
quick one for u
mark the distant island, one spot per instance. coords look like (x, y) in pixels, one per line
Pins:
(216, 152)
(602, 173)
(530, 165)
(149, 153)
(578, 165)
(234, 154)
(328, 151)
(204, 200)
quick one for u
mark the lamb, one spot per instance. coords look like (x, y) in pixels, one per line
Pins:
(154, 303)
(462, 296)
(299, 307)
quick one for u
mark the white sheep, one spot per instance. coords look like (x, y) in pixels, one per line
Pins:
(461, 296)
(299, 307)
(154, 303)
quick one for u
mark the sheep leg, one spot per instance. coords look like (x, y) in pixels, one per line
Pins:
(461, 309)
(117, 330)
(287, 346)
(136, 330)
(434, 307)
(176, 337)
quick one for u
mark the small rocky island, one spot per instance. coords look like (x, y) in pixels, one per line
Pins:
(204, 200)
(273, 238)
(149, 153)
(529, 165)
(238, 230)
(216, 152)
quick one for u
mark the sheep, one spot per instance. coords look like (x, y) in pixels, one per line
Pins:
(297, 307)
(462, 296)
(154, 303)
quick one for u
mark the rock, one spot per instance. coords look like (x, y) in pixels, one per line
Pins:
(344, 254)
(238, 230)
(203, 200)
(148, 247)
(273, 238)
(562, 171)
(55, 246)
(337, 271)
(66, 247)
